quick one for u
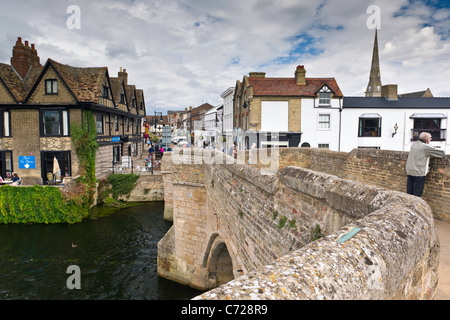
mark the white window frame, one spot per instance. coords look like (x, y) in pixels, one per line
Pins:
(324, 96)
(51, 86)
(319, 122)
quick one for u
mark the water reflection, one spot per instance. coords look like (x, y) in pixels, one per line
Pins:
(116, 254)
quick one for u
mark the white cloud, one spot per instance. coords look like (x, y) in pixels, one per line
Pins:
(186, 52)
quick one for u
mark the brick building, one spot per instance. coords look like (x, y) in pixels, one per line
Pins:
(39, 104)
(276, 105)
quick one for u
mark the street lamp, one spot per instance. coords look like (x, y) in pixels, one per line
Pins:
(395, 128)
(156, 118)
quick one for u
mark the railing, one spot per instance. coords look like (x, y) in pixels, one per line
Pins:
(436, 134)
(127, 165)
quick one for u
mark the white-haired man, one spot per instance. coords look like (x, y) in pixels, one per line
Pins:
(418, 163)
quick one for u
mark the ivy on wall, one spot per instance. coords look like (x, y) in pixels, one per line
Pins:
(122, 184)
(84, 138)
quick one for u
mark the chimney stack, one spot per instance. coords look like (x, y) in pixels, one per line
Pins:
(24, 57)
(389, 92)
(257, 74)
(300, 75)
(123, 75)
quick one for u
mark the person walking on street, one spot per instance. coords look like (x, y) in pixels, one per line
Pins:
(417, 164)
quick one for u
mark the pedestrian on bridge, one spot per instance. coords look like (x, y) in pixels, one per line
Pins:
(417, 165)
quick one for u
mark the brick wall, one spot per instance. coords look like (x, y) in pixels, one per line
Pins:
(382, 168)
(40, 97)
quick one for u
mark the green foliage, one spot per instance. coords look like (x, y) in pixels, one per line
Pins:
(292, 224)
(316, 233)
(84, 138)
(153, 138)
(274, 215)
(122, 184)
(38, 204)
(282, 222)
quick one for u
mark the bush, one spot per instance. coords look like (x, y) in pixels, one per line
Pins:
(38, 204)
(122, 184)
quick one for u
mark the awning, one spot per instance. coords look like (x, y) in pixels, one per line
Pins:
(370, 115)
(428, 116)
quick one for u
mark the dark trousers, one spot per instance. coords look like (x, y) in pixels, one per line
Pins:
(415, 185)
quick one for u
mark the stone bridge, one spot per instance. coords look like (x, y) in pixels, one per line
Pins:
(247, 234)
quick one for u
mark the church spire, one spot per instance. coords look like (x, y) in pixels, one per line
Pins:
(374, 86)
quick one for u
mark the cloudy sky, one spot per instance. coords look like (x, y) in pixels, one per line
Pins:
(187, 52)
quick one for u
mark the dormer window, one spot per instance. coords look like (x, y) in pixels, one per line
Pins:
(122, 98)
(325, 96)
(51, 86)
(105, 92)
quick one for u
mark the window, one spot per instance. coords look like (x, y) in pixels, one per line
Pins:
(6, 168)
(4, 124)
(369, 125)
(54, 123)
(105, 92)
(325, 96)
(324, 121)
(116, 154)
(122, 98)
(128, 124)
(324, 145)
(116, 123)
(136, 126)
(432, 126)
(51, 86)
(135, 149)
(99, 119)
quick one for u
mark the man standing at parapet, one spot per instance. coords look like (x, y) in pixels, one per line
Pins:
(418, 163)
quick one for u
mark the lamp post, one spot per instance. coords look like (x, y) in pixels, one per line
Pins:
(156, 119)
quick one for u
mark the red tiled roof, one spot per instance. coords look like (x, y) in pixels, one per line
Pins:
(288, 86)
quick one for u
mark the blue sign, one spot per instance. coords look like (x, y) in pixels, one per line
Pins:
(115, 139)
(27, 162)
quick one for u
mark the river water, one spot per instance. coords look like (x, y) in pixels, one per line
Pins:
(116, 256)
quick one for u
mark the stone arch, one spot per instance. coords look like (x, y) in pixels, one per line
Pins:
(218, 262)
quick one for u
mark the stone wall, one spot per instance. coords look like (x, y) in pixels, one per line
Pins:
(382, 168)
(262, 225)
(149, 187)
(394, 255)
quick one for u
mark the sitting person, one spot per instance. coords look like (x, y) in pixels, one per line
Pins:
(15, 177)
(16, 180)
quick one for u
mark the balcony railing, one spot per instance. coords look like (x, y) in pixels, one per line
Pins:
(436, 134)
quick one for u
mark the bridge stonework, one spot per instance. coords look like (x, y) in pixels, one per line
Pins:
(232, 222)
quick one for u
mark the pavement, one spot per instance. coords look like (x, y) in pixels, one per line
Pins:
(443, 288)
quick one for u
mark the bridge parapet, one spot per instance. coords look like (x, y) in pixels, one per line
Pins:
(257, 228)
